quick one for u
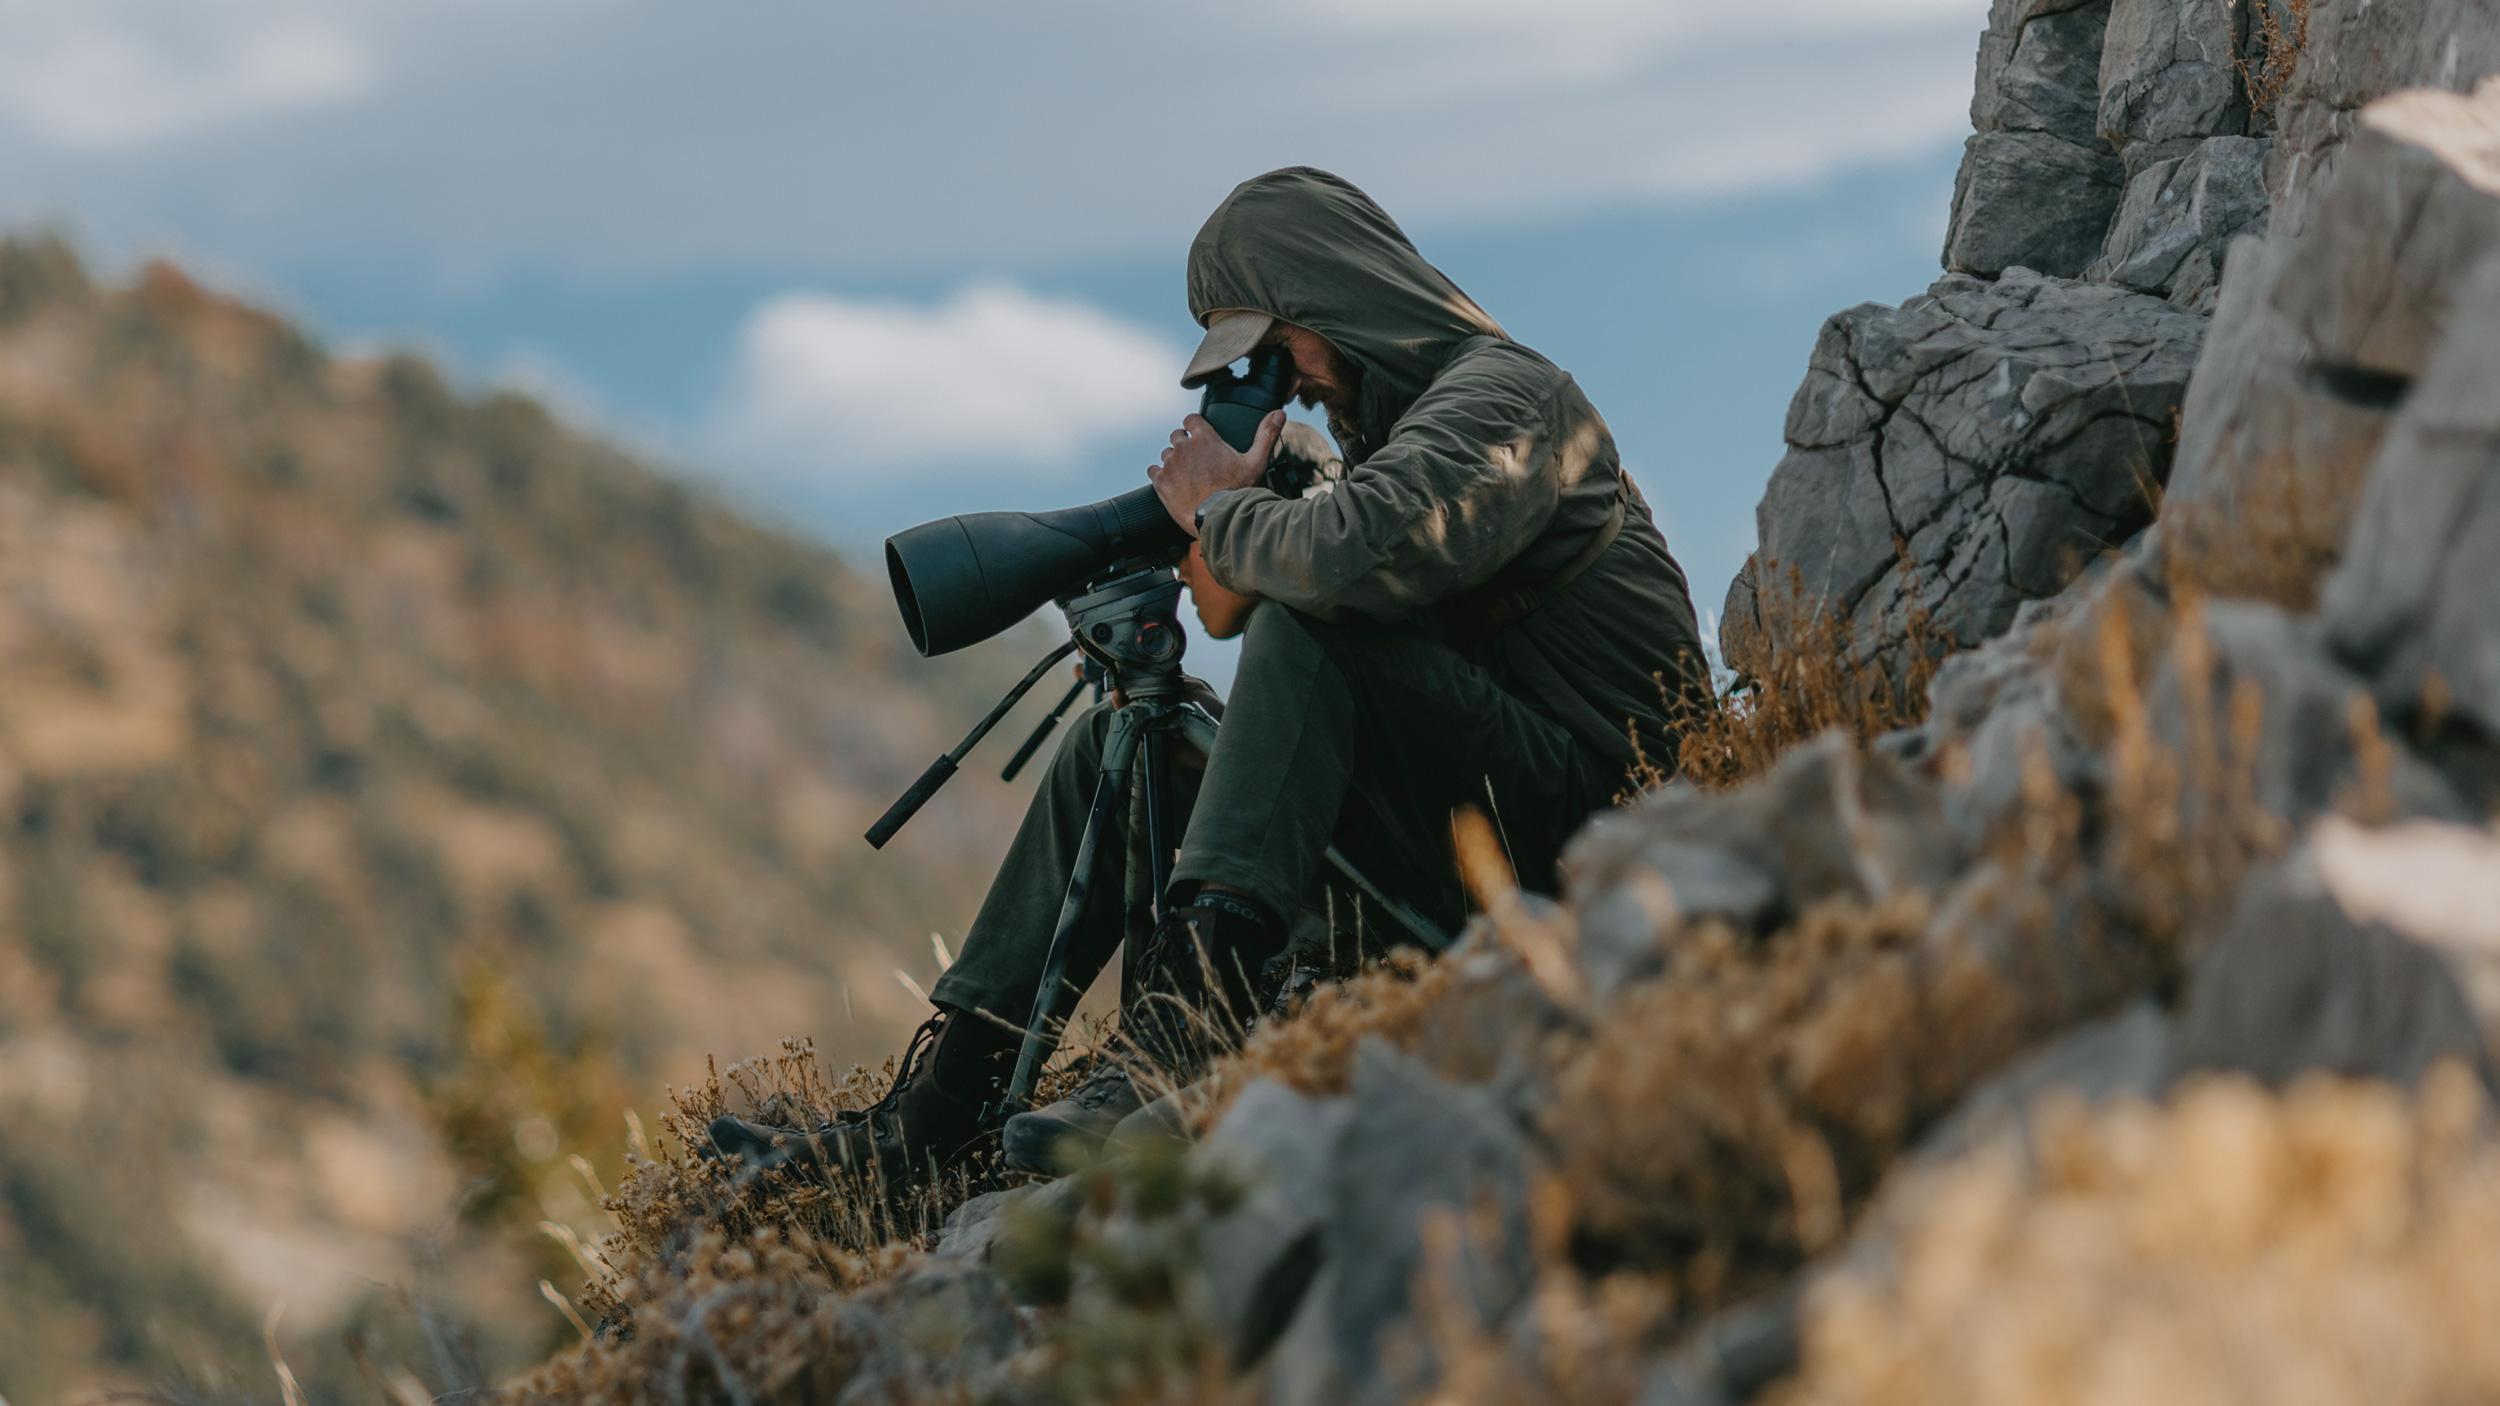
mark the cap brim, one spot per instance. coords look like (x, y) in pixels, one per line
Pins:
(1229, 338)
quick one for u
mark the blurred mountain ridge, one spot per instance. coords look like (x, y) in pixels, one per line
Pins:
(340, 712)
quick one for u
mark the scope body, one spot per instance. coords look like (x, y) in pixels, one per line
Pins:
(960, 580)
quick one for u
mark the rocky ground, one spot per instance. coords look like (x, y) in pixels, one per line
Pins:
(2119, 1031)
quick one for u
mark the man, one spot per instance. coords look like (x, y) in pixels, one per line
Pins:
(1479, 612)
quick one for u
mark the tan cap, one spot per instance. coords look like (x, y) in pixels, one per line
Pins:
(1231, 333)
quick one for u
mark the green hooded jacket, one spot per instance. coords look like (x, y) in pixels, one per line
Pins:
(1474, 468)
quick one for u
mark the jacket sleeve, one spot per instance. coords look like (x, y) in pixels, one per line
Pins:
(1467, 480)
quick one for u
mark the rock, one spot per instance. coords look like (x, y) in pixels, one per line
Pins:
(1417, 1153)
(2039, 68)
(2037, 184)
(976, 1225)
(2006, 432)
(1261, 1256)
(2177, 217)
(2126, 1055)
(2411, 602)
(2359, 51)
(1730, 1358)
(2306, 757)
(2437, 884)
(2295, 985)
(2167, 78)
(2030, 200)
(1487, 1024)
(2323, 327)
(940, 1331)
(1827, 822)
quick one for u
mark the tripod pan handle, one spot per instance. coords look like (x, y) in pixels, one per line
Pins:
(910, 801)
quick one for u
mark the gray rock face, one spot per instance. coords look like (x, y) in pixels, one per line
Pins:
(2305, 758)
(2030, 200)
(1263, 1254)
(2005, 432)
(2358, 52)
(2323, 328)
(2179, 215)
(1421, 1152)
(946, 1329)
(2293, 985)
(2167, 79)
(2413, 601)
(1826, 823)
(2126, 1055)
(2037, 184)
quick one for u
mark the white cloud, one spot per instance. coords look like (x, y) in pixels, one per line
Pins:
(994, 377)
(102, 77)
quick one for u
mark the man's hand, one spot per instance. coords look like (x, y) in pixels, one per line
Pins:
(1200, 464)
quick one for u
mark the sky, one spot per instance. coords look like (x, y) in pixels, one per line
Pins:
(857, 265)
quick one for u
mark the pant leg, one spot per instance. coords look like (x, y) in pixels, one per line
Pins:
(1000, 966)
(1322, 712)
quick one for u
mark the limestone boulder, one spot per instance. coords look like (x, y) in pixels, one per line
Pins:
(1956, 456)
(2178, 217)
(2411, 606)
(1828, 822)
(2037, 183)
(2170, 77)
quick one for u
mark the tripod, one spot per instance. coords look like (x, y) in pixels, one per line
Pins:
(1128, 627)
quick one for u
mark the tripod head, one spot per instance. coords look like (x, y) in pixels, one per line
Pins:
(1130, 625)
(1127, 622)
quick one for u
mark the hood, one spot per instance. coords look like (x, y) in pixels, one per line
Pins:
(1306, 246)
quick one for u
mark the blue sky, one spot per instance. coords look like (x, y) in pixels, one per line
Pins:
(858, 265)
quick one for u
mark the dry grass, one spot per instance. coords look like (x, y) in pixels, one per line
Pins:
(1313, 1049)
(2277, 546)
(1725, 1122)
(2280, 47)
(1817, 680)
(2331, 1243)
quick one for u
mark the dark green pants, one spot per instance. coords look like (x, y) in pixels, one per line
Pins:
(1367, 737)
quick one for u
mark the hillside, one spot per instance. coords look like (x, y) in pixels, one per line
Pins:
(2069, 974)
(399, 786)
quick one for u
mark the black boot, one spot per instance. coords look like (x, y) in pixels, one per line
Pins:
(1198, 998)
(927, 1122)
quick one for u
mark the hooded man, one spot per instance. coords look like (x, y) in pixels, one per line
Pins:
(1480, 611)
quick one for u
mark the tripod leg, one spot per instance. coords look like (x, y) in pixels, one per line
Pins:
(1155, 775)
(1112, 778)
(1201, 731)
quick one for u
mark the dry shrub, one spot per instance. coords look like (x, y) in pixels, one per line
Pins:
(2277, 546)
(1726, 1121)
(675, 1200)
(1312, 1050)
(1818, 679)
(752, 1317)
(2280, 47)
(2184, 825)
(1594, 1339)
(2331, 1243)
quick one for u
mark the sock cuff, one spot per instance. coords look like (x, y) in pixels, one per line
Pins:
(1233, 904)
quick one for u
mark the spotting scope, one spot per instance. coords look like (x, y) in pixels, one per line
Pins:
(960, 580)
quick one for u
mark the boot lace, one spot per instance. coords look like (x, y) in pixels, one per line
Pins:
(923, 1041)
(1107, 1082)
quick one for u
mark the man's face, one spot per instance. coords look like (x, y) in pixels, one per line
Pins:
(1321, 376)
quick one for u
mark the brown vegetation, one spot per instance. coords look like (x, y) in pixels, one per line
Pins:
(2331, 1243)
(2280, 46)
(1819, 679)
